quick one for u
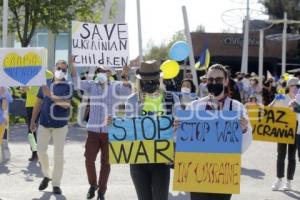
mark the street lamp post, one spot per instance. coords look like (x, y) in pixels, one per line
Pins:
(284, 38)
(5, 23)
(244, 67)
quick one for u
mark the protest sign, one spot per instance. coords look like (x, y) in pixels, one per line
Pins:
(100, 44)
(273, 124)
(23, 66)
(208, 148)
(147, 139)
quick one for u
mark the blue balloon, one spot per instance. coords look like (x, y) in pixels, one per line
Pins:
(179, 51)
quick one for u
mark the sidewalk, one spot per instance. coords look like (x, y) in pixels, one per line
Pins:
(20, 179)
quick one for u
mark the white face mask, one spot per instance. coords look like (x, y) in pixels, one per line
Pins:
(185, 90)
(59, 74)
(101, 78)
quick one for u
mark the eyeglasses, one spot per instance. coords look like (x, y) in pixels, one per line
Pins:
(298, 86)
(216, 80)
(64, 70)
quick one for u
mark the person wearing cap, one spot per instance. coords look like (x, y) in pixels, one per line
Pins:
(253, 101)
(104, 96)
(31, 93)
(285, 100)
(53, 108)
(151, 181)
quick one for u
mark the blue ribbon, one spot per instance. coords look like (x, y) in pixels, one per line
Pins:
(279, 97)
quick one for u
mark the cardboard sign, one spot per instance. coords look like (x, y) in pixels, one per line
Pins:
(208, 148)
(23, 66)
(203, 172)
(147, 139)
(273, 124)
(100, 44)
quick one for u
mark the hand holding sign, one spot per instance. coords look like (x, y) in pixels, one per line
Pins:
(2, 92)
(144, 139)
(109, 120)
(244, 124)
(176, 124)
(208, 151)
(273, 124)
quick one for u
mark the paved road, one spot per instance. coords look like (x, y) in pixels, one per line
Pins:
(19, 179)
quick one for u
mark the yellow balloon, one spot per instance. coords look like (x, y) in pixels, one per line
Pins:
(286, 76)
(197, 65)
(170, 69)
(281, 91)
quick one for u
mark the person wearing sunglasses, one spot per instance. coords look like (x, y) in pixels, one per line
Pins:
(53, 106)
(218, 99)
(285, 100)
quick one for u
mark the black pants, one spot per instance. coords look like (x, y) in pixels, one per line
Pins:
(209, 196)
(298, 145)
(28, 120)
(151, 181)
(282, 151)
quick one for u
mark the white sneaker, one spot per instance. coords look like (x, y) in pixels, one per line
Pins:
(277, 185)
(287, 186)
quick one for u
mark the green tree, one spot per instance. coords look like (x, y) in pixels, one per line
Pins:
(160, 52)
(276, 8)
(55, 15)
(200, 29)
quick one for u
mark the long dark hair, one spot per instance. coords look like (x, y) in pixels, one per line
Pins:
(193, 87)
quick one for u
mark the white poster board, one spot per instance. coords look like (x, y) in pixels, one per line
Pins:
(100, 44)
(23, 66)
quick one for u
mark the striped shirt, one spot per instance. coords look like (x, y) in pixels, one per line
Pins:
(103, 102)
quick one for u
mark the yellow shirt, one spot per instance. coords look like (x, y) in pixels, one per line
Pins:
(154, 104)
(32, 92)
(31, 96)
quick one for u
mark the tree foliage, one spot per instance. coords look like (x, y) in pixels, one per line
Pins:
(276, 8)
(160, 52)
(200, 29)
(55, 15)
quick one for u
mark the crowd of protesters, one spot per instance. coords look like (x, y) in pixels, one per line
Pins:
(48, 109)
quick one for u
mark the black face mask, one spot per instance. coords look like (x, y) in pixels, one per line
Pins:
(215, 89)
(149, 86)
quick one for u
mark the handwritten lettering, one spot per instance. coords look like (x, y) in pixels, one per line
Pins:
(154, 151)
(100, 44)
